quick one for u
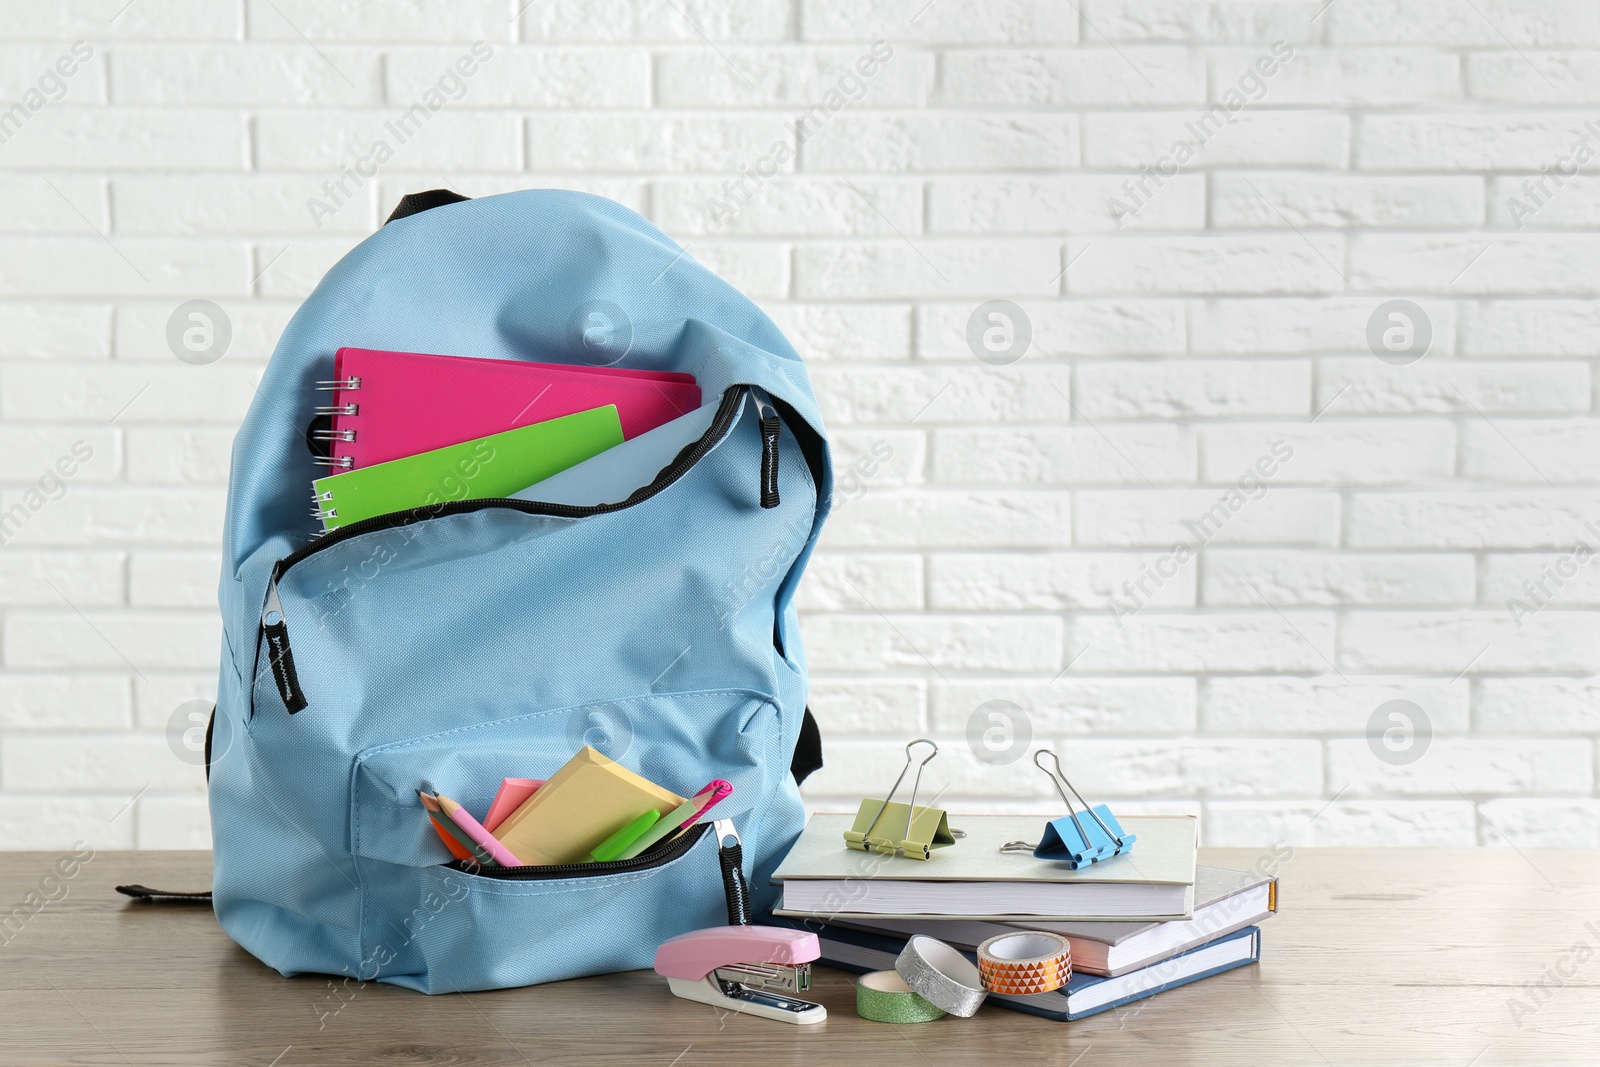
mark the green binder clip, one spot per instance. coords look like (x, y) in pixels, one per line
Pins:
(925, 829)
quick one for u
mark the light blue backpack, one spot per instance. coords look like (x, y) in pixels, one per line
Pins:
(455, 645)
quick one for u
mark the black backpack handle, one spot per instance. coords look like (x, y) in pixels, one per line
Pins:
(414, 203)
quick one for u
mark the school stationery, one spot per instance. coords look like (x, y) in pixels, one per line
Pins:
(977, 880)
(490, 466)
(613, 847)
(480, 837)
(586, 801)
(884, 997)
(455, 839)
(387, 405)
(687, 812)
(509, 797)
(1080, 841)
(719, 790)
(1224, 901)
(1025, 962)
(1084, 995)
(884, 826)
(941, 976)
(748, 969)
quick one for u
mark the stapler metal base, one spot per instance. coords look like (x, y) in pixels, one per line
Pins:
(722, 993)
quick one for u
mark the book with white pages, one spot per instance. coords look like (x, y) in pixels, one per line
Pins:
(1224, 901)
(976, 878)
(1084, 995)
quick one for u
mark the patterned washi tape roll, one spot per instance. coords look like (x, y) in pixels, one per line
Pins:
(941, 975)
(884, 997)
(1033, 962)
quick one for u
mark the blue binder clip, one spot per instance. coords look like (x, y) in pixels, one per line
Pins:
(1072, 839)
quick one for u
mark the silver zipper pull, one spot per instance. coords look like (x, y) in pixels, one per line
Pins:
(763, 401)
(272, 613)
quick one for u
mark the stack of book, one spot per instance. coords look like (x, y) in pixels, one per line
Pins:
(1138, 924)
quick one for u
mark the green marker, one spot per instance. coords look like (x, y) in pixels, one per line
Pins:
(617, 843)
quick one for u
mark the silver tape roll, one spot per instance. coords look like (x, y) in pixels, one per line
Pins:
(941, 976)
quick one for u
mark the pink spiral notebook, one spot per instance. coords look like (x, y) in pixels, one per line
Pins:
(388, 405)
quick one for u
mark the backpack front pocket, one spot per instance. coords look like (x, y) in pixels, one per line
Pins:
(442, 930)
(422, 911)
(677, 740)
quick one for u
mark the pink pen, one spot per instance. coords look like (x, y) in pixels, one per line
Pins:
(681, 817)
(720, 789)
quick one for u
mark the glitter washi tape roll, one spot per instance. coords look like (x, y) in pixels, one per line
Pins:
(884, 997)
(1025, 962)
(941, 976)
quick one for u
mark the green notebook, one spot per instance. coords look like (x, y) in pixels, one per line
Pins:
(493, 466)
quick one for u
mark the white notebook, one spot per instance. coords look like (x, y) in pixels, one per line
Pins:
(974, 879)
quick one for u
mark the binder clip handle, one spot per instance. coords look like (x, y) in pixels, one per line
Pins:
(1084, 846)
(1059, 779)
(934, 831)
(915, 785)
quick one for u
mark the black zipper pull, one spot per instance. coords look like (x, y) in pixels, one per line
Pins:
(730, 854)
(279, 655)
(770, 425)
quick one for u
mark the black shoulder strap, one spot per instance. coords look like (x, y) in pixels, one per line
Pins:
(807, 756)
(142, 892)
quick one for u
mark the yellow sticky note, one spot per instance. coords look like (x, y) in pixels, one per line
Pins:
(581, 805)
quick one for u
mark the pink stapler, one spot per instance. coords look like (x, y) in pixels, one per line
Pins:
(737, 967)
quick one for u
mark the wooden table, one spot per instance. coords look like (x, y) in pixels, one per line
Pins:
(1377, 956)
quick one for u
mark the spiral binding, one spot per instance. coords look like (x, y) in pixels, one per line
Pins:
(344, 435)
(317, 510)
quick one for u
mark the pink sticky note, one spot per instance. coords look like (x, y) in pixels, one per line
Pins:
(513, 791)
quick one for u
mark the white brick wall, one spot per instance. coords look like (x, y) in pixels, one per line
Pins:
(1006, 533)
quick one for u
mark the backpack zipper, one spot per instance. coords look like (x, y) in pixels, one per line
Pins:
(727, 413)
(657, 857)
